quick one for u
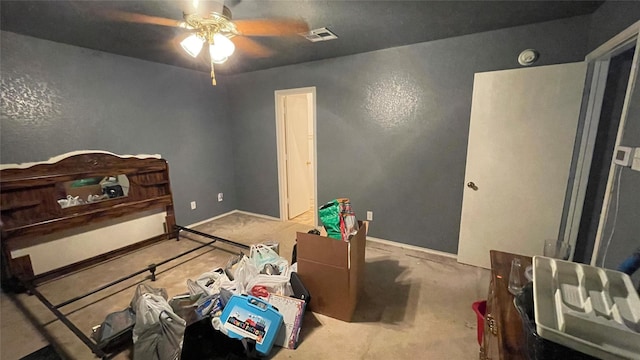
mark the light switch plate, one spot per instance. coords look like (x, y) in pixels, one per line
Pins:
(622, 156)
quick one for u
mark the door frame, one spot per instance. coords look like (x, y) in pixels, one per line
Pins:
(281, 147)
(598, 65)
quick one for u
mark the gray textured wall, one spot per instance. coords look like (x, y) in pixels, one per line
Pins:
(611, 18)
(58, 98)
(392, 126)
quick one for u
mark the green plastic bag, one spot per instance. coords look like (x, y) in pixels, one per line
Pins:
(330, 216)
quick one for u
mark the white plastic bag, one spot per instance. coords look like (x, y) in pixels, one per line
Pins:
(148, 309)
(261, 255)
(170, 344)
(274, 284)
(208, 283)
(231, 286)
(158, 332)
(142, 289)
(230, 268)
(245, 271)
(195, 288)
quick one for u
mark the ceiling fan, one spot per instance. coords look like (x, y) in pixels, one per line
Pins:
(211, 23)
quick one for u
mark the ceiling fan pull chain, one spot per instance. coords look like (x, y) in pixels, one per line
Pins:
(213, 76)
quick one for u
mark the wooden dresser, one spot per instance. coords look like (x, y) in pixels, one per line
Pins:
(503, 336)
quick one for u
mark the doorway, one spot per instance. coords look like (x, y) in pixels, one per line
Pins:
(610, 114)
(587, 211)
(297, 157)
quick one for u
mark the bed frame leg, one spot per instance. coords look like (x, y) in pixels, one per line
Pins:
(14, 285)
(152, 269)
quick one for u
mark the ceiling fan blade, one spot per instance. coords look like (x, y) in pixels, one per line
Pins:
(251, 47)
(264, 27)
(125, 16)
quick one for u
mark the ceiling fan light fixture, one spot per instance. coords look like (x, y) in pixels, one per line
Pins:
(223, 45)
(192, 44)
(221, 48)
(216, 59)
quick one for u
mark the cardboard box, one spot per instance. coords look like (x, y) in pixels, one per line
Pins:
(333, 272)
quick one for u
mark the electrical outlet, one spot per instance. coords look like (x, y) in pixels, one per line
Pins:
(369, 215)
(220, 196)
(193, 205)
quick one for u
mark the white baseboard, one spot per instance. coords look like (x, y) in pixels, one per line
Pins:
(211, 219)
(369, 238)
(257, 215)
(236, 211)
(413, 247)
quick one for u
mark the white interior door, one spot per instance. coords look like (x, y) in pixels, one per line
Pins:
(521, 136)
(297, 150)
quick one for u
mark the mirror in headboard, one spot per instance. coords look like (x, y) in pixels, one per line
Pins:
(91, 190)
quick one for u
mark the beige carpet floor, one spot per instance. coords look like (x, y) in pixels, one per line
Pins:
(414, 306)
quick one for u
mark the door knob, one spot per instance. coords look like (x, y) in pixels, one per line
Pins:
(472, 185)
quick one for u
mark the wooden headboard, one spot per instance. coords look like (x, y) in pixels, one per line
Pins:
(30, 208)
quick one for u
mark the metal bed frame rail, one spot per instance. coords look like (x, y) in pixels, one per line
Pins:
(151, 268)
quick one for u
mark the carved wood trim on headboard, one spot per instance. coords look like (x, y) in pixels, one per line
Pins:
(29, 207)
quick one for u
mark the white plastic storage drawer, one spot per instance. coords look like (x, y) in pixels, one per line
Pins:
(589, 309)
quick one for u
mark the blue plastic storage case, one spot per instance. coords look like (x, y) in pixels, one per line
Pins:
(249, 317)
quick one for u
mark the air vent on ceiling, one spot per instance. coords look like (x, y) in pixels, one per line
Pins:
(322, 34)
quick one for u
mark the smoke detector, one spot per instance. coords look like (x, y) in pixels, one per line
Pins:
(321, 34)
(528, 57)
